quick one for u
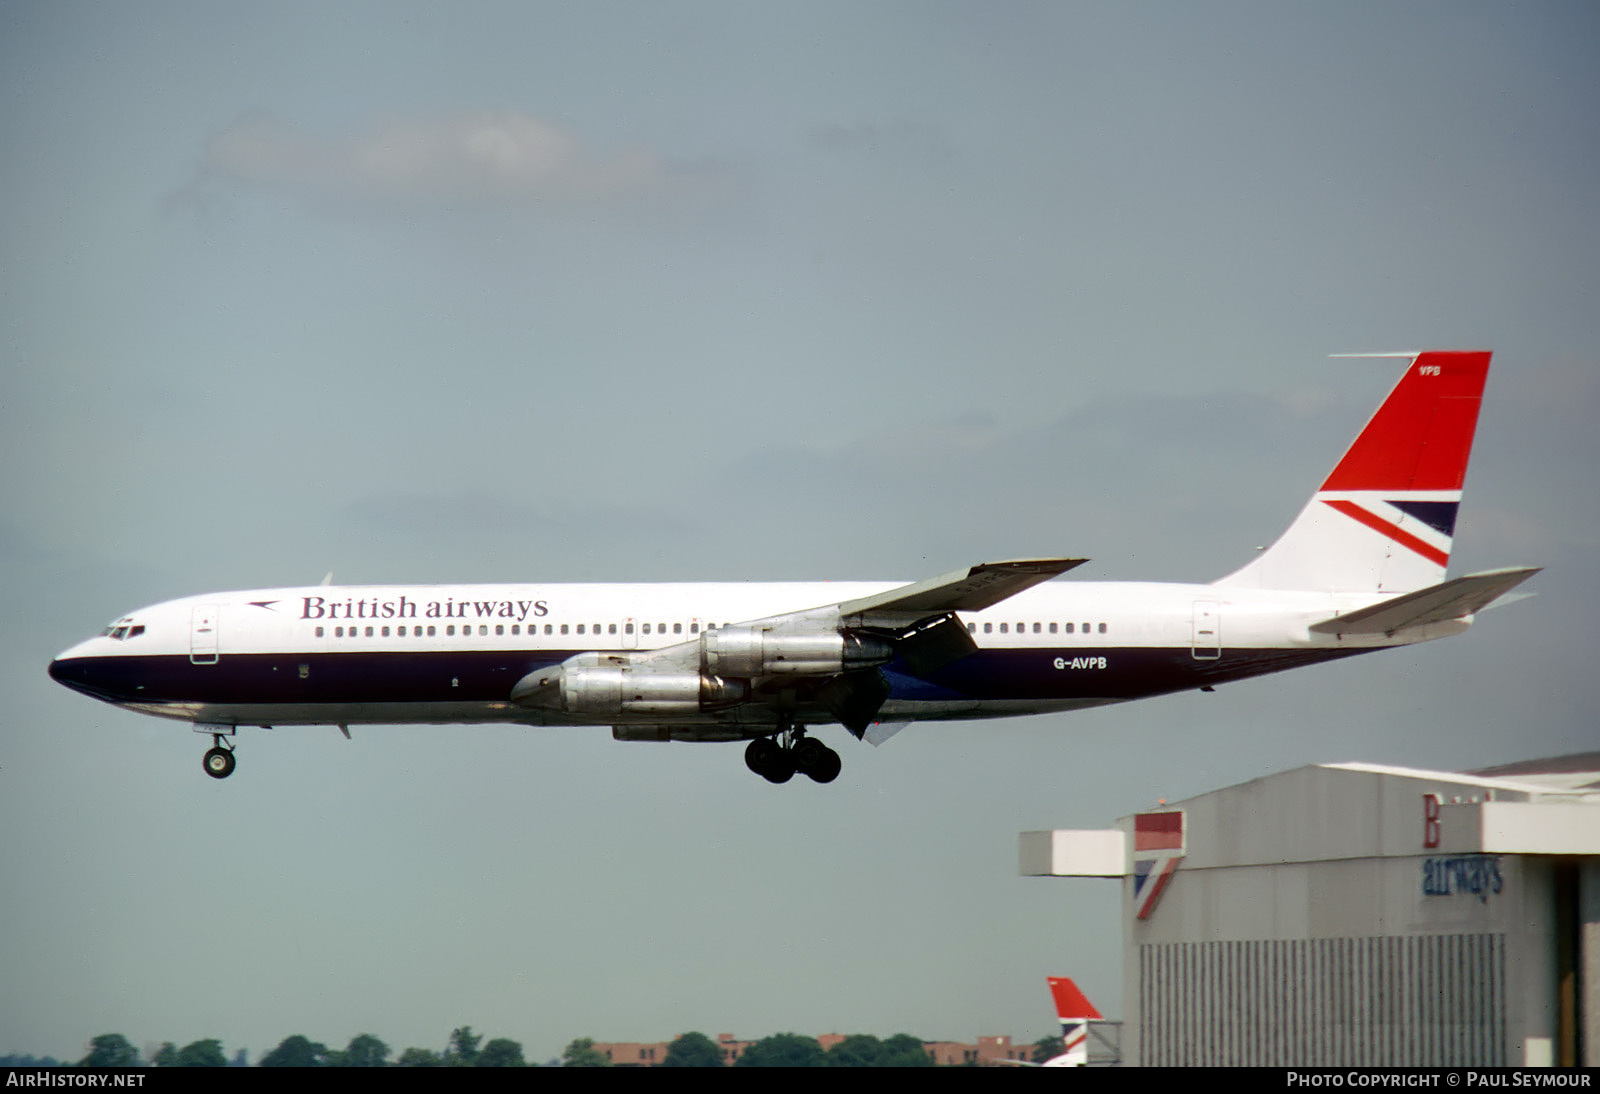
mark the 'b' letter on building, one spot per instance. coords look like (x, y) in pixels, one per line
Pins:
(1430, 820)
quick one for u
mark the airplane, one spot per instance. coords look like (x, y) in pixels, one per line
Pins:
(1361, 568)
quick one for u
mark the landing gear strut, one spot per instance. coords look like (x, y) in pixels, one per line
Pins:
(777, 758)
(219, 762)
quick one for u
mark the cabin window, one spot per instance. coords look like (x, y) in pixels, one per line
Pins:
(1102, 628)
(1069, 628)
(450, 630)
(677, 628)
(647, 628)
(1022, 628)
(563, 628)
(627, 628)
(1052, 628)
(580, 628)
(612, 629)
(386, 632)
(972, 628)
(319, 632)
(988, 628)
(694, 628)
(401, 631)
(1005, 628)
(432, 630)
(369, 632)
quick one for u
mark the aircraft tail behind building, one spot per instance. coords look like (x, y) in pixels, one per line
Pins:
(1384, 519)
(1075, 1012)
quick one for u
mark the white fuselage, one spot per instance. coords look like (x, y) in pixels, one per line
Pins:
(450, 653)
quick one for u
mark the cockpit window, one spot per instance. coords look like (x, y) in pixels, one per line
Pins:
(123, 629)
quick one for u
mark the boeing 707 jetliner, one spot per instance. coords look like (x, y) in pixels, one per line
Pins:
(1361, 568)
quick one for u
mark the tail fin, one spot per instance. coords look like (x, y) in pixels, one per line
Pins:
(1384, 520)
(1075, 1011)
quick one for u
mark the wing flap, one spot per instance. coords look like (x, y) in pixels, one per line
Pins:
(973, 589)
(1435, 604)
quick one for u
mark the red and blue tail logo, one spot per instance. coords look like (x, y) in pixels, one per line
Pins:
(1076, 1012)
(1384, 519)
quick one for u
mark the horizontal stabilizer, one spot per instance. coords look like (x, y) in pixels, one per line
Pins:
(972, 590)
(1435, 604)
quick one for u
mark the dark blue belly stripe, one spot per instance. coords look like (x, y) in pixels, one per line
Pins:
(488, 676)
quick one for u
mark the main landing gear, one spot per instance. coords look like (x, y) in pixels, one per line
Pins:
(219, 762)
(777, 758)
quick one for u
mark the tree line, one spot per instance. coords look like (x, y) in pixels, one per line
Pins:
(468, 1049)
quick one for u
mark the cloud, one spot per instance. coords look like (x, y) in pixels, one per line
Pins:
(485, 157)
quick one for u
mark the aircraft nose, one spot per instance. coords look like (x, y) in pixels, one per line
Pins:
(67, 671)
(75, 673)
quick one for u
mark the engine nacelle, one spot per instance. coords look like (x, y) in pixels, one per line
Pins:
(683, 733)
(752, 651)
(616, 690)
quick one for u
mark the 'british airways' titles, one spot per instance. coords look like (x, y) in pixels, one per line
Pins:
(403, 607)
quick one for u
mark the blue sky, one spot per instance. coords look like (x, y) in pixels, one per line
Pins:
(625, 292)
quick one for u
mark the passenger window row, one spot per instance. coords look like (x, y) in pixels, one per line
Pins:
(432, 630)
(1040, 628)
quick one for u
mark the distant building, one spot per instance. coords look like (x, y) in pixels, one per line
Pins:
(989, 1051)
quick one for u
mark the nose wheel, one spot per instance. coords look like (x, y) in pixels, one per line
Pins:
(219, 762)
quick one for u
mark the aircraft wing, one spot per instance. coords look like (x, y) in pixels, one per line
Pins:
(973, 589)
(1435, 604)
(833, 653)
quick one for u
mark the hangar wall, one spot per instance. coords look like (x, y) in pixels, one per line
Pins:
(1351, 914)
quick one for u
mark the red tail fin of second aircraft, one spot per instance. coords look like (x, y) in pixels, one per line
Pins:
(1075, 1011)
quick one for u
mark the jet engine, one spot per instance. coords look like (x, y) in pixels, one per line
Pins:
(613, 690)
(684, 733)
(754, 650)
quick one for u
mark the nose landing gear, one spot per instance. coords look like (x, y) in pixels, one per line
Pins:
(219, 762)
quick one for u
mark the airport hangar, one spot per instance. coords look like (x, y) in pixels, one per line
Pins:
(1358, 915)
